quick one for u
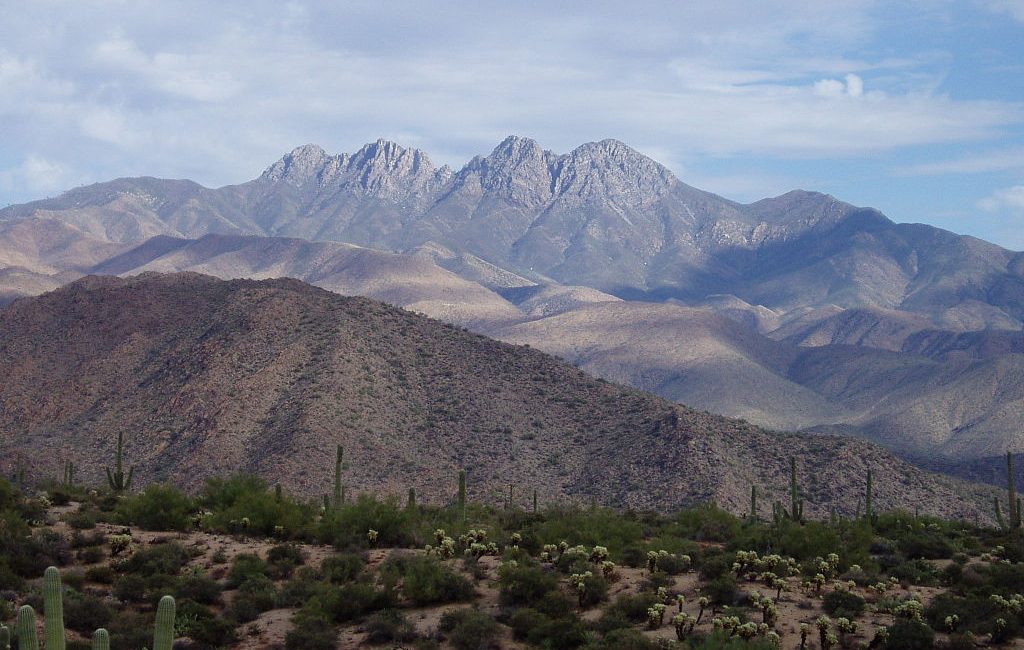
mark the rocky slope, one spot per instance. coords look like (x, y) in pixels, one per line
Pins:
(208, 377)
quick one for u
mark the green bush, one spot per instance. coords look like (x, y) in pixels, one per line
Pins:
(469, 629)
(623, 639)
(166, 559)
(525, 584)
(427, 581)
(245, 503)
(908, 634)
(158, 507)
(244, 567)
(346, 527)
(352, 601)
(388, 626)
(199, 588)
(545, 631)
(341, 568)
(283, 559)
(85, 612)
(310, 633)
(843, 604)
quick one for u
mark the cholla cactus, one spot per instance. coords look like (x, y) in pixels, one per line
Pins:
(951, 622)
(1014, 603)
(656, 615)
(703, 603)
(516, 540)
(684, 625)
(805, 629)
(607, 568)
(439, 535)
(910, 608)
(599, 554)
(579, 583)
(119, 544)
(653, 557)
(371, 536)
(778, 584)
(662, 595)
(680, 601)
(823, 624)
(845, 626)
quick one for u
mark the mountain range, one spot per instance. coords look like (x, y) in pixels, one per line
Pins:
(208, 377)
(794, 312)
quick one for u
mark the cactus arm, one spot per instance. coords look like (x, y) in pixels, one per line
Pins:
(163, 636)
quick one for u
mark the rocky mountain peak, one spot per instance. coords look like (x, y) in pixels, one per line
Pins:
(517, 169)
(299, 166)
(612, 169)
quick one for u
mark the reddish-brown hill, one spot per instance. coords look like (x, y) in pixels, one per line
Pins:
(208, 377)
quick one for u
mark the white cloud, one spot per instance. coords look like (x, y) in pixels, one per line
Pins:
(35, 174)
(206, 91)
(1014, 8)
(1010, 199)
(976, 163)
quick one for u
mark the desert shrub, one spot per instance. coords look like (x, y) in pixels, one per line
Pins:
(907, 634)
(311, 633)
(130, 588)
(130, 629)
(927, 544)
(102, 574)
(598, 526)
(158, 507)
(469, 629)
(206, 630)
(976, 613)
(255, 596)
(629, 608)
(85, 612)
(623, 639)
(524, 584)
(300, 588)
(388, 626)
(721, 590)
(199, 588)
(342, 568)
(351, 601)
(346, 527)
(843, 604)
(719, 640)
(245, 503)
(244, 567)
(81, 519)
(595, 590)
(283, 559)
(427, 581)
(543, 630)
(167, 559)
(91, 555)
(916, 572)
(706, 523)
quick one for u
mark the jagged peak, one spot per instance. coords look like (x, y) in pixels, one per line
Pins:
(299, 165)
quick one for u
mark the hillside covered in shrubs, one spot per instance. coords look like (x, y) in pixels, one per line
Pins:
(242, 564)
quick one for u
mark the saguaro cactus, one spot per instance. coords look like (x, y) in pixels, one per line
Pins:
(338, 458)
(796, 509)
(25, 628)
(869, 510)
(163, 637)
(753, 503)
(462, 493)
(53, 609)
(101, 640)
(412, 499)
(117, 479)
(1011, 485)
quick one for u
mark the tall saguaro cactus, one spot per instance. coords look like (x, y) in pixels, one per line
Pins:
(1011, 485)
(338, 464)
(25, 628)
(753, 503)
(869, 510)
(117, 479)
(53, 609)
(163, 637)
(101, 640)
(462, 493)
(796, 504)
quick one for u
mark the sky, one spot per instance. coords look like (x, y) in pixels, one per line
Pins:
(914, 108)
